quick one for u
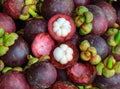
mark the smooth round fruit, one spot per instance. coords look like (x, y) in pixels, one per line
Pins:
(13, 80)
(34, 27)
(99, 23)
(17, 54)
(81, 2)
(13, 7)
(109, 11)
(53, 7)
(7, 23)
(61, 27)
(99, 43)
(41, 75)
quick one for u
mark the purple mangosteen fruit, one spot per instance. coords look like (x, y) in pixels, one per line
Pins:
(53, 7)
(99, 43)
(7, 23)
(109, 11)
(13, 80)
(41, 75)
(99, 23)
(81, 2)
(17, 53)
(34, 27)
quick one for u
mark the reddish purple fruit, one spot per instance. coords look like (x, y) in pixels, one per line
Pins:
(7, 23)
(64, 55)
(13, 80)
(99, 43)
(81, 2)
(109, 11)
(34, 27)
(42, 45)
(13, 7)
(61, 27)
(63, 85)
(108, 83)
(41, 75)
(82, 73)
(17, 54)
(100, 23)
(53, 7)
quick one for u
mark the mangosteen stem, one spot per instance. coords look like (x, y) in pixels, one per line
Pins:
(110, 62)
(32, 12)
(117, 37)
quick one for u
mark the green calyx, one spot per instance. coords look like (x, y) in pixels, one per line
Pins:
(83, 20)
(1, 65)
(89, 53)
(6, 69)
(108, 68)
(20, 69)
(108, 72)
(32, 60)
(85, 28)
(90, 86)
(116, 49)
(6, 40)
(113, 36)
(81, 10)
(1, 32)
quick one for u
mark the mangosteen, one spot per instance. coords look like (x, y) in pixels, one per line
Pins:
(52, 7)
(100, 22)
(99, 43)
(7, 23)
(63, 85)
(41, 75)
(13, 80)
(81, 2)
(109, 11)
(108, 83)
(17, 53)
(34, 27)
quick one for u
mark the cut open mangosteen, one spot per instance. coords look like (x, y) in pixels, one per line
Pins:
(61, 27)
(64, 55)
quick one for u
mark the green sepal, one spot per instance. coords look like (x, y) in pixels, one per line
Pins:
(89, 17)
(111, 41)
(32, 60)
(116, 49)
(95, 60)
(117, 67)
(111, 31)
(24, 17)
(108, 72)
(81, 10)
(81, 87)
(6, 69)
(79, 20)
(117, 37)
(9, 39)
(84, 45)
(99, 68)
(1, 42)
(20, 69)
(3, 50)
(85, 29)
(1, 32)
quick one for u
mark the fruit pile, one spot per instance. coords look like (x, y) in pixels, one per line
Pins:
(59, 44)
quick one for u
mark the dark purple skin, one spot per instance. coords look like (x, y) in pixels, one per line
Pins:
(41, 75)
(62, 75)
(81, 2)
(13, 7)
(7, 23)
(13, 80)
(52, 7)
(17, 54)
(34, 27)
(109, 11)
(100, 23)
(99, 43)
(108, 83)
(96, 1)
